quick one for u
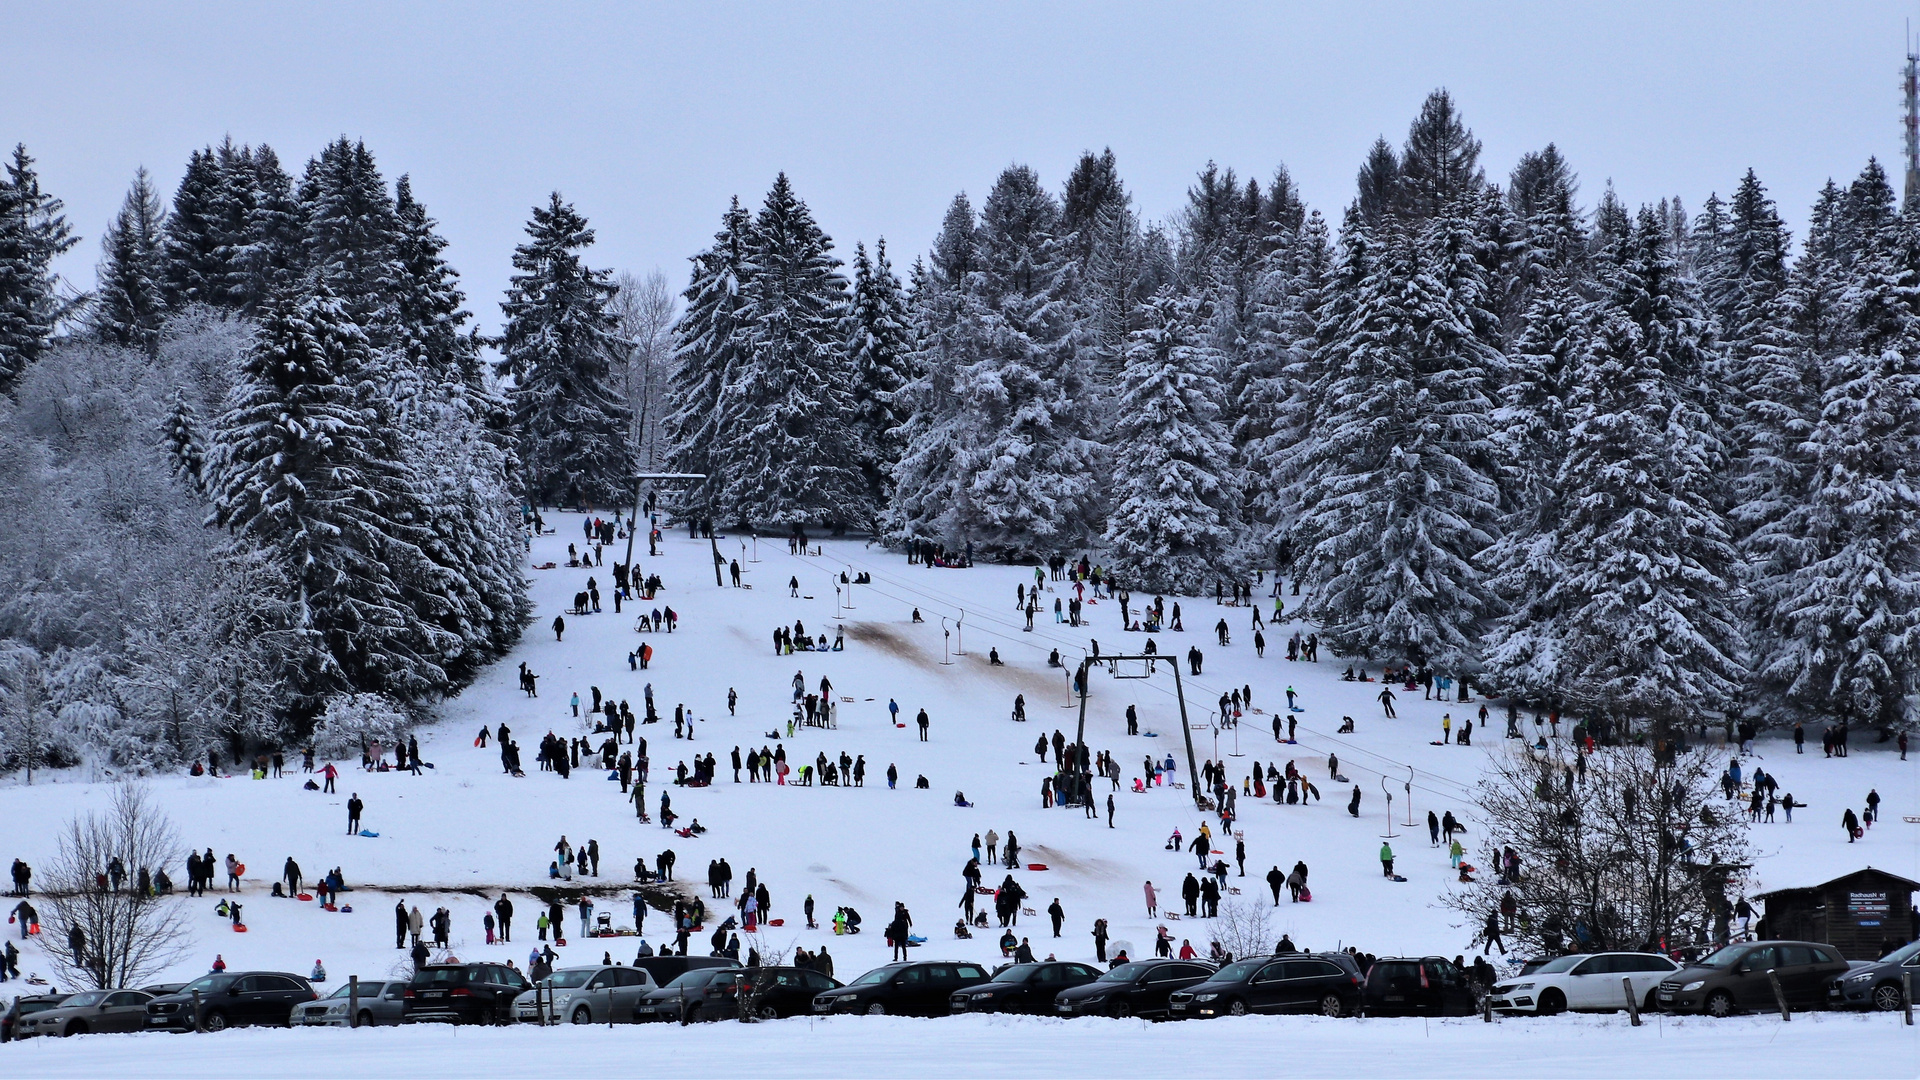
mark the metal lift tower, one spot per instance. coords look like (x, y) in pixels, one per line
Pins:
(1911, 120)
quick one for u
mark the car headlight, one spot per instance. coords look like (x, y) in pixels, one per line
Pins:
(1692, 986)
(983, 995)
(1523, 986)
(1863, 977)
(1205, 997)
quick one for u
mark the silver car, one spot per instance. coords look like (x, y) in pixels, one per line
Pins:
(585, 995)
(92, 1011)
(380, 1004)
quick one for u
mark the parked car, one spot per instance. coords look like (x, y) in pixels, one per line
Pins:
(665, 969)
(1417, 986)
(1022, 988)
(93, 1010)
(775, 992)
(463, 994)
(695, 995)
(156, 989)
(379, 1004)
(24, 1006)
(584, 995)
(1326, 983)
(1139, 988)
(1584, 983)
(1735, 978)
(919, 988)
(231, 999)
(1876, 985)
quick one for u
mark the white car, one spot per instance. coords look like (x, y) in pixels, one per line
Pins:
(585, 995)
(1588, 982)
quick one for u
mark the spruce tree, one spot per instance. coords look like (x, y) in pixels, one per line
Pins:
(33, 232)
(425, 296)
(786, 452)
(350, 235)
(300, 480)
(880, 344)
(705, 351)
(1440, 165)
(128, 304)
(180, 438)
(567, 411)
(195, 271)
(1172, 525)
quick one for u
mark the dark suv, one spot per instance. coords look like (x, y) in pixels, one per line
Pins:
(463, 994)
(1139, 988)
(1328, 984)
(1418, 986)
(231, 999)
(1735, 978)
(922, 988)
(1022, 988)
(703, 993)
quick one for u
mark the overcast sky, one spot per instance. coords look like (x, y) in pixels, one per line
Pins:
(648, 118)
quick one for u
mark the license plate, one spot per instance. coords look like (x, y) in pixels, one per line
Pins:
(433, 993)
(821, 1007)
(156, 1019)
(1064, 1008)
(1666, 995)
(1396, 997)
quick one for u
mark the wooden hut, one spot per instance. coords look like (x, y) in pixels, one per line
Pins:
(1856, 913)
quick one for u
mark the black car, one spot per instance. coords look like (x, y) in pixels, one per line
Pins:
(1139, 988)
(231, 999)
(463, 994)
(1326, 983)
(1418, 986)
(26, 1005)
(665, 969)
(775, 993)
(1022, 988)
(921, 988)
(1736, 978)
(705, 993)
(1877, 985)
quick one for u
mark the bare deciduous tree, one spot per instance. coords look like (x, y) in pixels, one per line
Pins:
(645, 308)
(128, 937)
(1634, 854)
(1244, 927)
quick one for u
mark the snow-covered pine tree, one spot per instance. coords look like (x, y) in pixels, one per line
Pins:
(1175, 495)
(350, 237)
(567, 410)
(1646, 628)
(33, 232)
(298, 477)
(195, 272)
(1393, 505)
(787, 454)
(704, 352)
(880, 344)
(1028, 466)
(186, 457)
(1440, 164)
(128, 305)
(425, 296)
(1274, 382)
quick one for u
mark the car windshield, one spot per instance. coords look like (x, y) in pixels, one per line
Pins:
(91, 997)
(367, 990)
(696, 977)
(877, 975)
(1239, 971)
(1726, 957)
(1125, 973)
(567, 980)
(206, 984)
(1016, 974)
(1902, 954)
(1558, 963)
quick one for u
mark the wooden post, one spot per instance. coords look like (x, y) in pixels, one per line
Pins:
(1633, 1004)
(1486, 1008)
(1906, 995)
(198, 1023)
(353, 1001)
(1779, 995)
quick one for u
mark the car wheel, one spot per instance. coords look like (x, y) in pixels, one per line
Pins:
(1719, 1004)
(1331, 1005)
(1652, 1004)
(1121, 1010)
(692, 1015)
(1887, 997)
(366, 1018)
(216, 1021)
(1552, 1003)
(79, 1027)
(768, 1012)
(876, 1009)
(583, 1015)
(1236, 1007)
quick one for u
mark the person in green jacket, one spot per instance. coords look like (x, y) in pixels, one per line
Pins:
(1386, 859)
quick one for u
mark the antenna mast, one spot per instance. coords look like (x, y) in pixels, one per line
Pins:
(1911, 121)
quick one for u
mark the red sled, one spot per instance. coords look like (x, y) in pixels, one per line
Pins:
(899, 725)
(330, 907)
(1858, 832)
(306, 896)
(560, 941)
(239, 928)
(776, 922)
(1036, 866)
(1306, 895)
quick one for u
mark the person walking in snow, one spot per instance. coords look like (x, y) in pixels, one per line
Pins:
(1386, 700)
(1386, 859)
(560, 629)
(1153, 901)
(354, 806)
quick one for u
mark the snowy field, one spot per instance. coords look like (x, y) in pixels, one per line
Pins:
(464, 831)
